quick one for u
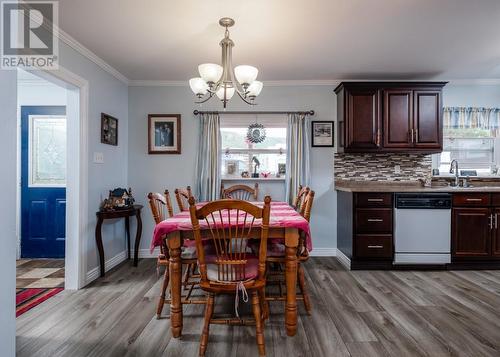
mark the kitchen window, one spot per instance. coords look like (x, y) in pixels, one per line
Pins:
(470, 136)
(239, 155)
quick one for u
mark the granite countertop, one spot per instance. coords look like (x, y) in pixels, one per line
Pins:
(410, 186)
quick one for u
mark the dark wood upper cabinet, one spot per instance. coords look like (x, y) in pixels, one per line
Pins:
(427, 119)
(363, 119)
(398, 118)
(390, 116)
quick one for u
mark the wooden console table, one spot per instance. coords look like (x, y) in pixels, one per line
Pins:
(124, 213)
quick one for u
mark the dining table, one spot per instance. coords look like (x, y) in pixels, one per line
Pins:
(285, 226)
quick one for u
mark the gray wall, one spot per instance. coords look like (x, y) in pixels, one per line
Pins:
(108, 95)
(8, 121)
(471, 95)
(157, 172)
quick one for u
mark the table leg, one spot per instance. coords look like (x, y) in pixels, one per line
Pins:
(127, 232)
(137, 237)
(98, 241)
(174, 248)
(291, 242)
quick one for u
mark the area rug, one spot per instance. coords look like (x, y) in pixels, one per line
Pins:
(27, 299)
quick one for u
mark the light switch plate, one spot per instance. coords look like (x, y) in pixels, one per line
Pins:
(397, 169)
(98, 158)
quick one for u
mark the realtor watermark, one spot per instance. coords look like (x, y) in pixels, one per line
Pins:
(29, 35)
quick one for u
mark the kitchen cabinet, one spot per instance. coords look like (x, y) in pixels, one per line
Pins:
(365, 229)
(390, 116)
(475, 226)
(471, 232)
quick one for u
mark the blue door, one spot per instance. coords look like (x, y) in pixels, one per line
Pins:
(43, 181)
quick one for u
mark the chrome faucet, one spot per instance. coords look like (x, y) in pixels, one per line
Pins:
(454, 169)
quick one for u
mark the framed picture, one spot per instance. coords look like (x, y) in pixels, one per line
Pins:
(164, 133)
(109, 129)
(322, 133)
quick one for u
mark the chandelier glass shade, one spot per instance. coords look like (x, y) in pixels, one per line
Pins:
(224, 81)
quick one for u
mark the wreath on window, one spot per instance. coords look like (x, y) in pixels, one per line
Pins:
(256, 133)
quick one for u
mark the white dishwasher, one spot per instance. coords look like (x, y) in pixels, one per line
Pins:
(422, 228)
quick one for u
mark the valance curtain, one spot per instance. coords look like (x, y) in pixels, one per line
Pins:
(208, 163)
(298, 144)
(472, 118)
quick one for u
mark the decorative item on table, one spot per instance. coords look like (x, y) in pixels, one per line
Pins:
(256, 133)
(265, 174)
(232, 167)
(109, 130)
(119, 198)
(164, 133)
(257, 164)
(245, 174)
(322, 133)
(281, 170)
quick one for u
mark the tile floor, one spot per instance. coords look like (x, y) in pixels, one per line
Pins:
(40, 273)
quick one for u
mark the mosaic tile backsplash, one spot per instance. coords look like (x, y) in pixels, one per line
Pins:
(380, 167)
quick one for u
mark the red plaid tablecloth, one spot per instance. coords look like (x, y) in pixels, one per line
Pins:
(282, 216)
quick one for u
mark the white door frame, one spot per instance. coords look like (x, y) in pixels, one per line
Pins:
(77, 228)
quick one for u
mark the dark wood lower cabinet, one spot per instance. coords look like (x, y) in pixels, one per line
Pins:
(471, 232)
(495, 237)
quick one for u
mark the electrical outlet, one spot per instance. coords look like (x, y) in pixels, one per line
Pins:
(397, 169)
(98, 158)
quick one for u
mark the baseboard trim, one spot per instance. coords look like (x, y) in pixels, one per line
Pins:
(146, 253)
(93, 274)
(324, 252)
(343, 259)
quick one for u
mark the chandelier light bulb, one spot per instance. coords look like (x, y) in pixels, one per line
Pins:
(254, 89)
(210, 72)
(229, 92)
(198, 86)
(246, 74)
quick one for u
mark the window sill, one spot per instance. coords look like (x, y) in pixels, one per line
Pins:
(252, 179)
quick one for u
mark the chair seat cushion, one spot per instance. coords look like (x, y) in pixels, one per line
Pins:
(251, 269)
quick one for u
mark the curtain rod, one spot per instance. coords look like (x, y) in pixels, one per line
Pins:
(196, 112)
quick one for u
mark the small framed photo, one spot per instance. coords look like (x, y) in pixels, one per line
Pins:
(322, 133)
(109, 130)
(164, 133)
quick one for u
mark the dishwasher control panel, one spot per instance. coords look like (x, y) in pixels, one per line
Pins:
(423, 201)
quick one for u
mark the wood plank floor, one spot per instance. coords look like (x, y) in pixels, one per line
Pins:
(361, 313)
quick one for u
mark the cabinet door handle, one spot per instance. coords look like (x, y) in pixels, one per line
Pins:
(416, 136)
(375, 246)
(375, 199)
(375, 220)
(411, 136)
(490, 221)
(474, 199)
(496, 220)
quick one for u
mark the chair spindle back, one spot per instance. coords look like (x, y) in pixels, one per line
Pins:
(182, 197)
(230, 224)
(240, 192)
(301, 195)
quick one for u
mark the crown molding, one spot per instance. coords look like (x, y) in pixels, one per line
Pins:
(77, 46)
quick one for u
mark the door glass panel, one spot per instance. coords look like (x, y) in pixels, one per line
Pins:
(47, 151)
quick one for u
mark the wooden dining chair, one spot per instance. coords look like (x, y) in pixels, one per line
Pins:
(276, 254)
(182, 197)
(240, 192)
(160, 205)
(301, 195)
(231, 269)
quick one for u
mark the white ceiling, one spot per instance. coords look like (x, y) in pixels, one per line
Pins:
(292, 39)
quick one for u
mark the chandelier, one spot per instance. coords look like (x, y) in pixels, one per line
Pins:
(223, 81)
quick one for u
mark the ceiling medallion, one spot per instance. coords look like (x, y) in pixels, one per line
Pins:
(256, 133)
(223, 81)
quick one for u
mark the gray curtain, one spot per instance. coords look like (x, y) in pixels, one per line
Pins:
(208, 163)
(298, 144)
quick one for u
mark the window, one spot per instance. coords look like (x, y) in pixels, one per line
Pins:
(238, 153)
(470, 136)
